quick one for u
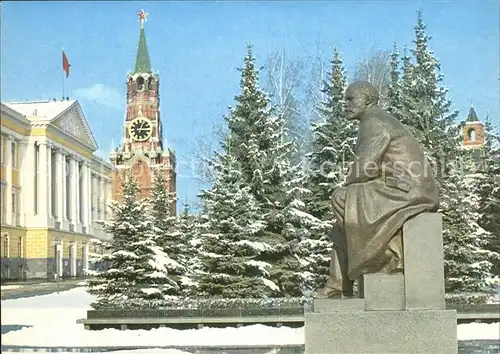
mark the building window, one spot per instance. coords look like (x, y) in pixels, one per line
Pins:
(4, 207)
(5, 246)
(140, 83)
(20, 247)
(6, 271)
(35, 194)
(15, 207)
(71, 254)
(15, 155)
(58, 260)
(472, 134)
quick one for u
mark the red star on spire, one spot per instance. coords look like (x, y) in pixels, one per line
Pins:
(142, 17)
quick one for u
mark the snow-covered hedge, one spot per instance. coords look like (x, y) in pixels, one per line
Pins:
(193, 303)
(469, 298)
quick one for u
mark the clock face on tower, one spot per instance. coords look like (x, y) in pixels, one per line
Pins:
(140, 129)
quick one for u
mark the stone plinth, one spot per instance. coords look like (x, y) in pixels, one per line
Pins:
(400, 313)
(332, 305)
(424, 262)
(377, 332)
(384, 292)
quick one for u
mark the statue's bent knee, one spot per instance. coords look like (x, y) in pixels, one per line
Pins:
(338, 202)
(339, 196)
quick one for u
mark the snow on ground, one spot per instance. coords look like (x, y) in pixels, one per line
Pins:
(53, 320)
(10, 287)
(53, 324)
(18, 286)
(472, 331)
(139, 351)
(76, 298)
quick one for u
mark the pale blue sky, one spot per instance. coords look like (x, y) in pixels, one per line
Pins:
(197, 47)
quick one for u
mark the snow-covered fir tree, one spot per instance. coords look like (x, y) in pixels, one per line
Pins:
(284, 83)
(420, 101)
(186, 234)
(489, 189)
(333, 141)
(161, 203)
(256, 135)
(468, 264)
(136, 267)
(424, 101)
(260, 145)
(305, 233)
(394, 90)
(235, 253)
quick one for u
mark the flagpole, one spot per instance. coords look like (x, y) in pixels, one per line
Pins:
(63, 73)
(63, 86)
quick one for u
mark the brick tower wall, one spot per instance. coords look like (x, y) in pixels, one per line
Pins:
(478, 128)
(143, 175)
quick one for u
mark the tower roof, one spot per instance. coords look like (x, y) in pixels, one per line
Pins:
(472, 117)
(142, 63)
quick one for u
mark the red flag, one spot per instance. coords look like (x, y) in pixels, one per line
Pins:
(65, 63)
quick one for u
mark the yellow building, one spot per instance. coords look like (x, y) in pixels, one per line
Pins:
(53, 190)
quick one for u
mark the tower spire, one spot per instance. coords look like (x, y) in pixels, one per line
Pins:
(142, 63)
(472, 117)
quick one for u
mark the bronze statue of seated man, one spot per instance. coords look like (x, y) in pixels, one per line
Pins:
(389, 182)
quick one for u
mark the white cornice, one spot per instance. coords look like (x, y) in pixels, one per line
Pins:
(101, 162)
(11, 113)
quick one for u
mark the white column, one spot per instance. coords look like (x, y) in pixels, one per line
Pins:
(65, 173)
(60, 187)
(77, 222)
(83, 202)
(22, 148)
(73, 191)
(85, 196)
(28, 185)
(42, 182)
(93, 208)
(8, 180)
(101, 197)
(97, 197)
(85, 257)
(88, 195)
(107, 194)
(77, 193)
(49, 179)
(110, 198)
(72, 261)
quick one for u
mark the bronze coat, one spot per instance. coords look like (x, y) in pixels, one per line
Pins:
(390, 182)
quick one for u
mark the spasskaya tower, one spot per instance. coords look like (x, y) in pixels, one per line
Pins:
(143, 150)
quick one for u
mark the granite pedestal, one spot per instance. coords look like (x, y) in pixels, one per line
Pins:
(400, 313)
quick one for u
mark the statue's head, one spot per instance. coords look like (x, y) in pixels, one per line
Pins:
(359, 96)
